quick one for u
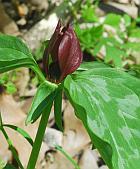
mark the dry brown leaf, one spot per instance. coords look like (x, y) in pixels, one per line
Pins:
(53, 137)
(7, 25)
(12, 114)
(75, 135)
(88, 160)
(57, 161)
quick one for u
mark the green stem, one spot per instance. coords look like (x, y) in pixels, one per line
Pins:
(2, 163)
(1, 124)
(67, 156)
(39, 137)
(11, 147)
(38, 72)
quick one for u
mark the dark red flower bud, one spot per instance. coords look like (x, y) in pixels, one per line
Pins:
(63, 55)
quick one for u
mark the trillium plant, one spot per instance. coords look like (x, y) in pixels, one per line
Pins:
(105, 99)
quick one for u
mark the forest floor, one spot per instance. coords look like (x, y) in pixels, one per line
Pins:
(34, 21)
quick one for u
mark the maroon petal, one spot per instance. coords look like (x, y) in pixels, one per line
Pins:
(52, 47)
(69, 53)
(55, 41)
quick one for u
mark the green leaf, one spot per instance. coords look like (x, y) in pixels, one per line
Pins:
(108, 105)
(133, 46)
(89, 36)
(135, 70)
(135, 33)
(96, 32)
(9, 166)
(88, 14)
(2, 164)
(97, 47)
(4, 78)
(118, 75)
(113, 20)
(44, 96)
(58, 108)
(92, 65)
(114, 54)
(14, 53)
(20, 131)
(127, 20)
(10, 88)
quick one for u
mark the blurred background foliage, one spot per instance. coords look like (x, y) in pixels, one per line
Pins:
(107, 33)
(112, 37)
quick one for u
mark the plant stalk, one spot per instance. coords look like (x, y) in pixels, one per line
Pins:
(11, 147)
(67, 156)
(42, 78)
(39, 138)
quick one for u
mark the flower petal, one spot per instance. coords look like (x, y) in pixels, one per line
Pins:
(55, 41)
(69, 53)
(52, 47)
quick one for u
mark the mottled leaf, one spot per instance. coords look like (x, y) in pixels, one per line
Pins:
(108, 103)
(91, 65)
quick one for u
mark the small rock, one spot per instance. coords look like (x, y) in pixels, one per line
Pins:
(103, 167)
(43, 4)
(53, 137)
(96, 154)
(23, 10)
(137, 2)
(129, 9)
(88, 160)
(22, 21)
(123, 1)
(40, 32)
(7, 25)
